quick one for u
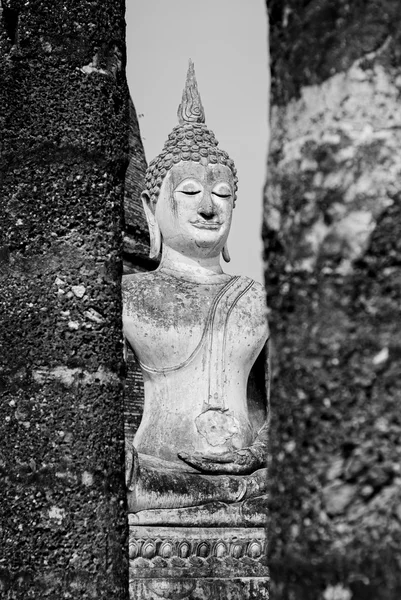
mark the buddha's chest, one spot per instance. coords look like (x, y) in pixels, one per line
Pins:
(166, 324)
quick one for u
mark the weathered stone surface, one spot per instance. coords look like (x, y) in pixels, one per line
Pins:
(64, 124)
(344, 170)
(181, 562)
(337, 496)
(333, 256)
(311, 41)
(201, 588)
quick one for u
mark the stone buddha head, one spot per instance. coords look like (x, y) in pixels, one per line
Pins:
(191, 186)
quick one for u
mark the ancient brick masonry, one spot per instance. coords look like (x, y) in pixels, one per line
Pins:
(333, 256)
(136, 236)
(64, 150)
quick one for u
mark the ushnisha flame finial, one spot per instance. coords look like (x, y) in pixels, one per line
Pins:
(191, 110)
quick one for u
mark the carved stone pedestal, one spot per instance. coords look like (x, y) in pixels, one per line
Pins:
(198, 563)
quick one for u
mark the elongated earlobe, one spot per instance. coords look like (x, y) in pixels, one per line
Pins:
(155, 241)
(225, 253)
(154, 230)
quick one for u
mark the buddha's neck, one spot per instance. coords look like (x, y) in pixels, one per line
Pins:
(197, 268)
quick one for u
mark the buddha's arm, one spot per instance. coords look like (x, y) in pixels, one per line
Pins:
(245, 460)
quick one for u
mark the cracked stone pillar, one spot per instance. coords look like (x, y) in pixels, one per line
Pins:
(333, 255)
(64, 150)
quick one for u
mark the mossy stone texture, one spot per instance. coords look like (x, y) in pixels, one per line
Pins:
(64, 151)
(333, 273)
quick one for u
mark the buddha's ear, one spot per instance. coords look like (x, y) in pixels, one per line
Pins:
(154, 230)
(225, 253)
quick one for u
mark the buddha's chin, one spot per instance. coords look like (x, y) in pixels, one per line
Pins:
(201, 244)
(208, 238)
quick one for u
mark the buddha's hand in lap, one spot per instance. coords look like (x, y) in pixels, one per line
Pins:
(238, 462)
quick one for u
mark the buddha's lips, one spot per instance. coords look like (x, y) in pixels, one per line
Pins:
(206, 225)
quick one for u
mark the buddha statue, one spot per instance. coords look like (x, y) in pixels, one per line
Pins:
(199, 334)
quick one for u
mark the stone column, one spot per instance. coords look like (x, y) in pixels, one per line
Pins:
(64, 150)
(333, 256)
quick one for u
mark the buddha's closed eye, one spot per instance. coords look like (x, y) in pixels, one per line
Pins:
(222, 195)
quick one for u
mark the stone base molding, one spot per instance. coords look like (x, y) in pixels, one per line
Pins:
(197, 563)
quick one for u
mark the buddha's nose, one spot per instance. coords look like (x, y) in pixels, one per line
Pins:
(206, 207)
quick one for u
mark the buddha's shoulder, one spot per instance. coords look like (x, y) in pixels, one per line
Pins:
(255, 289)
(258, 288)
(149, 289)
(135, 281)
(254, 301)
